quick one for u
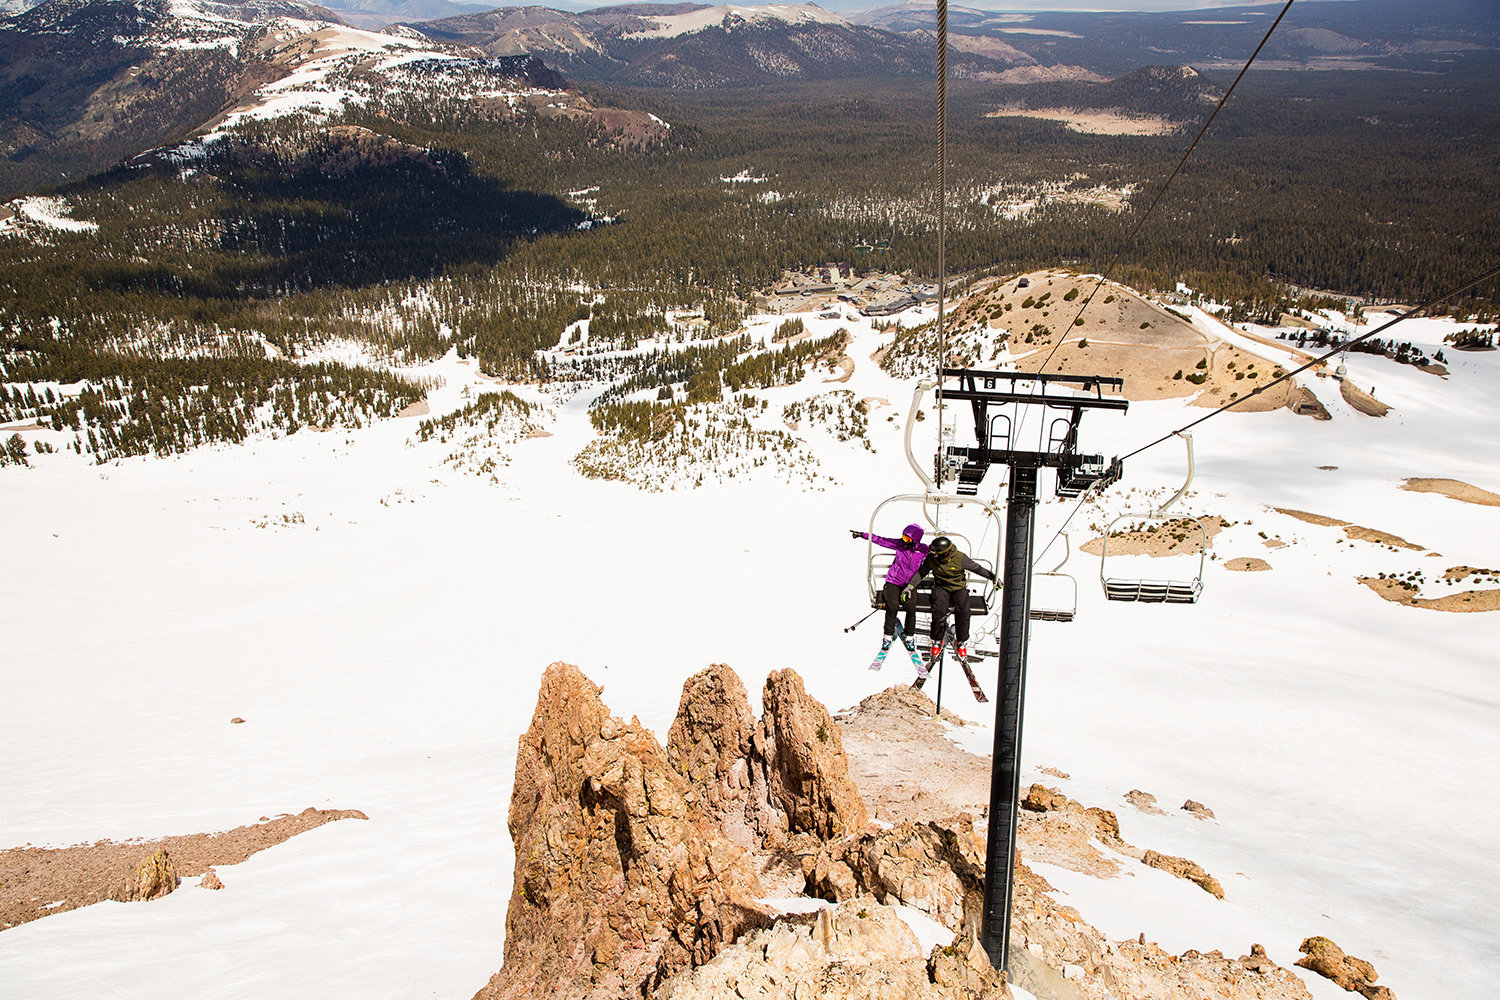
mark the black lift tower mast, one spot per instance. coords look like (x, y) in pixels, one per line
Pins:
(998, 402)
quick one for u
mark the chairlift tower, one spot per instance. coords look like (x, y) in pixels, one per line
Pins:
(994, 397)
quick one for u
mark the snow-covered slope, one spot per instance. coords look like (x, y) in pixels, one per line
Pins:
(383, 647)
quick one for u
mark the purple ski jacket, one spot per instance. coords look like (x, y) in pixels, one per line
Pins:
(908, 558)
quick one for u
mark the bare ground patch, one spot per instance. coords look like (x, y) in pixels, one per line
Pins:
(1247, 564)
(1361, 400)
(417, 409)
(1095, 122)
(1310, 518)
(1453, 489)
(1355, 532)
(1163, 538)
(846, 367)
(905, 764)
(1401, 592)
(41, 881)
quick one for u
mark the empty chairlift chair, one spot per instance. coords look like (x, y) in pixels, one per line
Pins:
(1054, 595)
(1182, 588)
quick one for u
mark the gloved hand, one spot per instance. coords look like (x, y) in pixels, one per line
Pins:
(907, 591)
(855, 534)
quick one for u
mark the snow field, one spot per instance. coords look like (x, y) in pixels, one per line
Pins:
(385, 651)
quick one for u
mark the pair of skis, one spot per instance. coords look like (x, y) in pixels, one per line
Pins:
(922, 668)
(949, 639)
(916, 659)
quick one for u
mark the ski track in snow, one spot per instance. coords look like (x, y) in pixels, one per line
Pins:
(385, 655)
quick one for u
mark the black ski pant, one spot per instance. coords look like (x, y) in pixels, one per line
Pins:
(890, 596)
(959, 599)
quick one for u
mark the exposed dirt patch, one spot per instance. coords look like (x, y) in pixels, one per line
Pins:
(1164, 538)
(1159, 353)
(1355, 532)
(904, 762)
(1318, 519)
(417, 409)
(1361, 400)
(1302, 402)
(846, 366)
(1360, 534)
(1247, 564)
(1401, 592)
(1453, 489)
(39, 881)
(1099, 122)
(1454, 574)
(537, 432)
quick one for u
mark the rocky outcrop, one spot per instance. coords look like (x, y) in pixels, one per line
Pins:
(859, 950)
(710, 744)
(1328, 960)
(1144, 801)
(806, 769)
(621, 877)
(1198, 809)
(1061, 831)
(211, 880)
(153, 878)
(768, 782)
(936, 867)
(1185, 869)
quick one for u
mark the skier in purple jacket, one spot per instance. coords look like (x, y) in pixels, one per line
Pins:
(910, 552)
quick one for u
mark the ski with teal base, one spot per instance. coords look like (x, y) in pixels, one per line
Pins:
(916, 660)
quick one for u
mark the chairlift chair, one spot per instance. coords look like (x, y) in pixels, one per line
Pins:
(1157, 591)
(1058, 585)
(878, 559)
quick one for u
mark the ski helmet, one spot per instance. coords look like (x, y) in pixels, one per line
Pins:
(912, 532)
(941, 544)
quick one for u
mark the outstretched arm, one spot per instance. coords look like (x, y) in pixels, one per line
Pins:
(881, 540)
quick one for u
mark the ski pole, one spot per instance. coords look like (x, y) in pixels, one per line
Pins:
(866, 618)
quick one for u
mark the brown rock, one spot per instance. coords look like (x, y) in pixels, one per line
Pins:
(1040, 798)
(236, 721)
(860, 950)
(153, 878)
(1198, 809)
(1183, 868)
(710, 744)
(621, 878)
(1328, 960)
(1144, 801)
(1258, 960)
(936, 867)
(806, 769)
(210, 880)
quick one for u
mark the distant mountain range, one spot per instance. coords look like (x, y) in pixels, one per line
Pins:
(693, 46)
(84, 83)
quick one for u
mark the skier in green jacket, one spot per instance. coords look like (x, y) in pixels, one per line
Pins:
(949, 569)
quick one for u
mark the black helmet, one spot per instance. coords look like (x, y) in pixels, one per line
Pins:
(941, 544)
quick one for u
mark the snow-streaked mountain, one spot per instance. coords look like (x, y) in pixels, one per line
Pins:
(84, 83)
(693, 46)
(733, 16)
